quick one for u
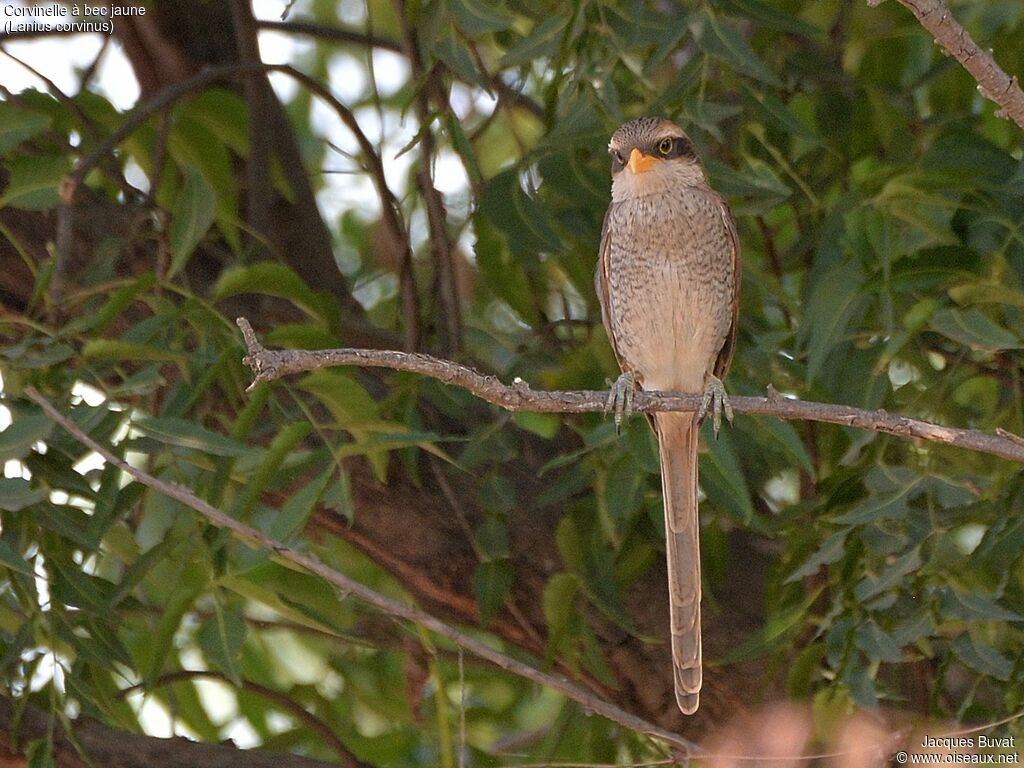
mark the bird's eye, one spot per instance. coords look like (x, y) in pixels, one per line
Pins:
(665, 147)
(617, 156)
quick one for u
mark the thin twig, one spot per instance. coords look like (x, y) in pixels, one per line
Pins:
(345, 35)
(448, 309)
(335, 33)
(268, 364)
(390, 606)
(993, 81)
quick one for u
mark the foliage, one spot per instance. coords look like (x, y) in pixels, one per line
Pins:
(879, 202)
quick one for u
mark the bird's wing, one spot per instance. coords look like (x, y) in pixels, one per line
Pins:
(725, 356)
(601, 287)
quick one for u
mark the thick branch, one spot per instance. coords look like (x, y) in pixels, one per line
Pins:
(993, 82)
(113, 748)
(286, 703)
(283, 552)
(268, 364)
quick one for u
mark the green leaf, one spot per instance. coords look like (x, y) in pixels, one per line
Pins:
(188, 434)
(503, 274)
(877, 644)
(772, 111)
(119, 300)
(464, 147)
(221, 637)
(12, 560)
(986, 293)
(783, 437)
(883, 506)
(491, 537)
(777, 630)
(834, 302)
(138, 570)
(892, 575)
(542, 42)
(196, 148)
(721, 476)
(29, 426)
(39, 754)
(225, 114)
(271, 279)
(294, 513)
(338, 497)
(830, 551)
(545, 425)
(720, 39)
(34, 182)
(280, 448)
(113, 349)
(17, 493)
(559, 603)
(973, 607)
(492, 583)
(622, 492)
(477, 17)
(914, 627)
(973, 329)
(454, 55)
(18, 125)
(191, 218)
(770, 18)
(982, 657)
(72, 586)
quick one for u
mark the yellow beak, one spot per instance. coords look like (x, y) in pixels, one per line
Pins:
(639, 162)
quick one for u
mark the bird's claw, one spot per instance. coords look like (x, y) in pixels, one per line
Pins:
(716, 399)
(620, 397)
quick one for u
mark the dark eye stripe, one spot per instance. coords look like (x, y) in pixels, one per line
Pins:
(681, 147)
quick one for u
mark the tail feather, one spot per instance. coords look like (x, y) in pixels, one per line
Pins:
(677, 443)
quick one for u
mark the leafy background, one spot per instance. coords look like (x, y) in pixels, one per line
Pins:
(879, 203)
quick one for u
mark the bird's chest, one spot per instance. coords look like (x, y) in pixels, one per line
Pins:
(669, 276)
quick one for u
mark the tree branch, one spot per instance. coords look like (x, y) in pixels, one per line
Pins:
(114, 748)
(993, 82)
(268, 364)
(289, 705)
(258, 539)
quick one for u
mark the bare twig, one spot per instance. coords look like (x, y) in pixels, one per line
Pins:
(268, 364)
(390, 606)
(333, 33)
(450, 314)
(343, 35)
(993, 82)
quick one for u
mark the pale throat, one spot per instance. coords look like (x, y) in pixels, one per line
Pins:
(665, 175)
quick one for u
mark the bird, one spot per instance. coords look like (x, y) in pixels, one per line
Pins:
(668, 282)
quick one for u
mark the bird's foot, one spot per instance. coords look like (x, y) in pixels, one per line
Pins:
(620, 396)
(716, 399)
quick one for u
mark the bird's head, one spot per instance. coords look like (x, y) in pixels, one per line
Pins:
(651, 154)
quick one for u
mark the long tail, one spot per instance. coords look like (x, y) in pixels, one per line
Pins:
(677, 444)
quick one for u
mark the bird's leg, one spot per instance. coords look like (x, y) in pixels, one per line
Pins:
(716, 399)
(620, 396)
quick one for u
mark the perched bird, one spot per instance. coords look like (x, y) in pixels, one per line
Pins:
(668, 281)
